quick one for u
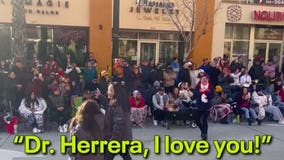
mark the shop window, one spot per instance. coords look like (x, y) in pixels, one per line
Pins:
(148, 35)
(35, 32)
(268, 33)
(129, 35)
(227, 49)
(169, 36)
(237, 42)
(73, 41)
(240, 47)
(168, 50)
(229, 31)
(128, 49)
(5, 39)
(241, 32)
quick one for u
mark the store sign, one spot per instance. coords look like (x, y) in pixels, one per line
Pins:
(44, 7)
(272, 2)
(156, 7)
(268, 16)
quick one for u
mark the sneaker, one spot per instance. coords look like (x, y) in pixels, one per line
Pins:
(65, 128)
(204, 137)
(60, 129)
(155, 122)
(16, 129)
(35, 130)
(281, 122)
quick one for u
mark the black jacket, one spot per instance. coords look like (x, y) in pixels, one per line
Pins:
(184, 76)
(197, 96)
(117, 121)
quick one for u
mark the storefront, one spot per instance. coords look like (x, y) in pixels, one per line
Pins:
(147, 32)
(62, 26)
(249, 31)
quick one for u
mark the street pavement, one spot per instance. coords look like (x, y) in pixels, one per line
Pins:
(272, 151)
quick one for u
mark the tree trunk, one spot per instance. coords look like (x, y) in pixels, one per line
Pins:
(18, 45)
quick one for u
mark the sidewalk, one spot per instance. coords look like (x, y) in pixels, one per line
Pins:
(274, 151)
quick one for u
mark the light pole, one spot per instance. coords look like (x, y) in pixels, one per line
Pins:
(115, 29)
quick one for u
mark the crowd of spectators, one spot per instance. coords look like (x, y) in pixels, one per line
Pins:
(44, 91)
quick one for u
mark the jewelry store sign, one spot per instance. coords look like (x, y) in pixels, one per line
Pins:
(42, 7)
(153, 10)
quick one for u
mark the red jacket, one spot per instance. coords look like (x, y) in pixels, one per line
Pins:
(133, 104)
(281, 95)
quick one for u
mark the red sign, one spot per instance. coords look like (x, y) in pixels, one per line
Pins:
(268, 16)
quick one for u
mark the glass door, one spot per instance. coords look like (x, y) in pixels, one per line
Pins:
(260, 51)
(274, 51)
(268, 51)
(147, 51)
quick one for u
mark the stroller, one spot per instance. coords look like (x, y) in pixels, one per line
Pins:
(184, 114)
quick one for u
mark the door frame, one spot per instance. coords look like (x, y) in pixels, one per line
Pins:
(156, 42)
(268, 42)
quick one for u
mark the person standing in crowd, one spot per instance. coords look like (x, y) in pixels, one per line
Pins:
(256, 71)
(149, 95)
(213, 73)
(90, 77)
(203, 95)
(169, 79)
(138, 109)
(155, 72)
(73, 72)
(193, 72)
(135, 78)
(237, 64)
(175, 65)
(21, 78)
(225, 81)
(270, 68)
(118, 118)
(184, 73)
(50, 67)
(103, 82)
(145, 73)
(88, 125)
(32, 108)
(204, 65)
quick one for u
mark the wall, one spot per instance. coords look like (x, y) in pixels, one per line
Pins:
(157, 19)
(75, 14)
(203, 40)
(246, 18)
(101, 32)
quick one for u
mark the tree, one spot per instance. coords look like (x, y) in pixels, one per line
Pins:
(18, 46)
(191, 20)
